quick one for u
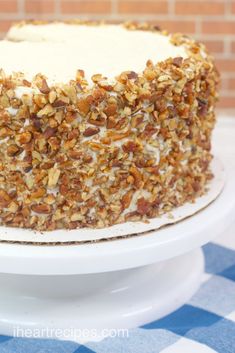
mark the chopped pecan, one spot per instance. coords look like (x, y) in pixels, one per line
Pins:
(115, 136)
(47, 110)
(53, 177)
(138, 179)
(5, 199)
(49, 132)
(131, 146)
(14, 150)
(126, 199)
(121, 123)
(90, 131)
(61, 102)
(111, 122)
(5, 132)
(26, 83)
(23, 138)
(43, 87)
(132, 75)
(37, 123)
(83, 106)
(136, 120)
(70, 92)
(149, 130)
(41, 208)
(40, 192)
(111, 109)
(143, 206)
(96, 120)
(75, 154)
(196, 186)
(52, 96)
(177, 61)
(99, 94)
(76, 217)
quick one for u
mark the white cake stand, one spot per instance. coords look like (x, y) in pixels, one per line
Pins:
(113, 284)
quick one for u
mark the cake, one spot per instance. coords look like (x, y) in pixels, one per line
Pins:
(102, 124)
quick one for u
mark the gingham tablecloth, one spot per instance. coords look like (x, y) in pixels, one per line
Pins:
(205, 324)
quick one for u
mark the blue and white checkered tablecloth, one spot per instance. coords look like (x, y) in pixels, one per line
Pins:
(205, 324)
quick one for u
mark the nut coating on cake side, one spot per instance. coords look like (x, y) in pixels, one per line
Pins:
(77, 154)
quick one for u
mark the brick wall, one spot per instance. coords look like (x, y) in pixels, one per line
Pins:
(211, 21)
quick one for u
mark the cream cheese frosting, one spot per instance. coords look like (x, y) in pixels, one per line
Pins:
(58, 50)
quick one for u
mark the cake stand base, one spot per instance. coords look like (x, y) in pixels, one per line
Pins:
(118, 299)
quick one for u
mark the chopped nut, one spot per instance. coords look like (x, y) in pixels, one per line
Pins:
(178, 61)
(131, 146)
(52, 96)
(13, 207)
(137, 177)
(126, 199)
(96, 78)
(70, 92)
(40, 100)
(136, 120)
(69, 144)
(111, 109)
(5, 132)
(61, 102)
(96, 120)
(23, 138)
(5, 199)
(118, 136)
(53, 177)
(43, 87)
(111, 122)
(132, 75)
(13, 150)
(40, 192)
(41, 208)
(36, 155)
(76, 217)
(49, 132)
(90, 131)
(47, 110)
(83, 106)
(143, 206)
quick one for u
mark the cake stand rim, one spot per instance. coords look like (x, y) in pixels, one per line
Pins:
(102, 309)
(141, 250)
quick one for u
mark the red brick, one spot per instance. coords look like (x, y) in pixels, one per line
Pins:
(223, 84)
(219, 27)
(8, 6)
(39, 6)
(225, 65)
(233, 47)
(199, 8)
(226, 102)
(83, 6)
(231, 83)
(142, 7)
(214, 46)
(5, 25)
(233, 7)
(187, 27)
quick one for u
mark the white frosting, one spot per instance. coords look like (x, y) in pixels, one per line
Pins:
(59, 50)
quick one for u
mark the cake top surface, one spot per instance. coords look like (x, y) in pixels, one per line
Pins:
(58, 50)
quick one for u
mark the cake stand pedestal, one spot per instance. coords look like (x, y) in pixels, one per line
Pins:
(114, 284)
(119, 299)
